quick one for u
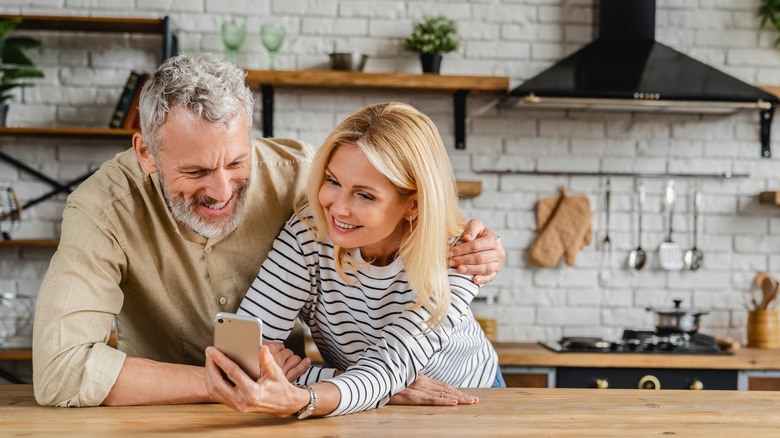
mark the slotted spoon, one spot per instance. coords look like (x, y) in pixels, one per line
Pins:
(669, 253)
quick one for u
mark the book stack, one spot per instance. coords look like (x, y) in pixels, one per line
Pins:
(126, 111)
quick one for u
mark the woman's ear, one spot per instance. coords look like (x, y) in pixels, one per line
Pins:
(412, 212)
(143, 154)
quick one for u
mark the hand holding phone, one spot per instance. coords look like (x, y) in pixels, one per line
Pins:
(239, 337)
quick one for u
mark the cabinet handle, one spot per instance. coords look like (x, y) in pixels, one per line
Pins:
(696, 385)
(649, 382)
(602, 383)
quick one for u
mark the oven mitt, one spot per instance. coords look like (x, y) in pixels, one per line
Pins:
(565, 227)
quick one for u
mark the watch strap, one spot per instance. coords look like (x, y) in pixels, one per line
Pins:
(308, 409)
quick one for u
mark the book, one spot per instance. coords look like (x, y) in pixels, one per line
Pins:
(132, 119)
(124, 100)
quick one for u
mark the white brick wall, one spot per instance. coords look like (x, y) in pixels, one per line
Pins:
(516, 38)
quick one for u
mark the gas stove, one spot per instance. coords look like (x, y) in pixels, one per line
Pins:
(641, 341)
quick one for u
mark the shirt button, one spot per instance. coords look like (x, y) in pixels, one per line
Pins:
(223, 300)
(207, 250)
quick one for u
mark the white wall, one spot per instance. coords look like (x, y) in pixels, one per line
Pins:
(515, 38)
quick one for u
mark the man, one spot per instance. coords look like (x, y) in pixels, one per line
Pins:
(169, 233)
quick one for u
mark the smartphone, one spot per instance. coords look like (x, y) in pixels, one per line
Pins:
(239, 337)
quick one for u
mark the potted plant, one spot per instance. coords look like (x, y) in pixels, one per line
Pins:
(769, 11)
(431, 38)
(15, 63)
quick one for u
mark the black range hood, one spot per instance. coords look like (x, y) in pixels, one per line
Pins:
(624, 68)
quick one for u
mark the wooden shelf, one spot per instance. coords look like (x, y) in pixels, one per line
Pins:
(16, 354)
(771, 89)
(772, 198)
(469, 189)
(459, 86)
(90, 24)
(61, 131)
(29, 243)
(388, 81)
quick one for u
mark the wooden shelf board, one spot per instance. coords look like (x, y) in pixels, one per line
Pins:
(391, 81)
(50, 243)
(66, 131)
(771, 89)
(769, 198)
(16, 354)
(469, 189)
(88, 24)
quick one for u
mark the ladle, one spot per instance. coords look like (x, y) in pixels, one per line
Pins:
(637, 257)
(694, 257)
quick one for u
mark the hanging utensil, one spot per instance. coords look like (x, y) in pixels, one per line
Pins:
(694, 257)
(669, 253)
(637, 257)
(769, 288)
(606, 244)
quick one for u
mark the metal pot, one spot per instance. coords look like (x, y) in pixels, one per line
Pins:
(676, 320)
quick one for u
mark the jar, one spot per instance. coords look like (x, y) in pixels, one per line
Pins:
(485, 310)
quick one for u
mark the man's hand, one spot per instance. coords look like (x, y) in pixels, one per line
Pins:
(426, 391)
(292, 366)
(481, 254)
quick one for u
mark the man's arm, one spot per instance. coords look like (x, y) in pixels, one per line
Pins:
(146, 382)
(481, 254)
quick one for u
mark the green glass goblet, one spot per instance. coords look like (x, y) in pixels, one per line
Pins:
(233, 35)
(272, 36)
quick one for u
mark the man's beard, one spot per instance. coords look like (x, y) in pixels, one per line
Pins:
(184, 211)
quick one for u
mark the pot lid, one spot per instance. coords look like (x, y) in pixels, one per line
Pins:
(676, 310)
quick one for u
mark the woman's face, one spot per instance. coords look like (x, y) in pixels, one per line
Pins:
(362, 207)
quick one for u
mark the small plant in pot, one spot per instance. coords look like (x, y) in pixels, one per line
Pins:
(15, 63)
(431, 38)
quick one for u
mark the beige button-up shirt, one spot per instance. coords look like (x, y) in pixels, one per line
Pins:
(122, 256)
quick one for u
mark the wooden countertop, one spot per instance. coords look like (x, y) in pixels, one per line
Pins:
(500, 412)
(533, 354)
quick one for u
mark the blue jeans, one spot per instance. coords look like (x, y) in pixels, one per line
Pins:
(499, 382)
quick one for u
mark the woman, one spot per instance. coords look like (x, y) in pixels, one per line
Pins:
(365, 265)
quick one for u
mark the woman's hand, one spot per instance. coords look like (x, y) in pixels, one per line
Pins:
(481, 254)
(427, 391)
(271, 394)
(292, 365)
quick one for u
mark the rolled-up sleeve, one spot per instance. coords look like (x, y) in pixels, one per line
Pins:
(76, 306)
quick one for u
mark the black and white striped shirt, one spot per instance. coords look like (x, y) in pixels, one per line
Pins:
(364, 328)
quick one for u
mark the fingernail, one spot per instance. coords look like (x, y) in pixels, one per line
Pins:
(450, 254)
(467, 236)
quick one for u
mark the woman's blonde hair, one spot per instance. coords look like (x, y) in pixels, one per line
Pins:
(404, 145)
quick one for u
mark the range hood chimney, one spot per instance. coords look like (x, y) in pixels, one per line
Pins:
(625, 69)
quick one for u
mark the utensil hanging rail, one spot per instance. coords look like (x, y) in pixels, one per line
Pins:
(724, 175)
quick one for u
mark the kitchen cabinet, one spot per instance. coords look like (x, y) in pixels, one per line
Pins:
(528, 364)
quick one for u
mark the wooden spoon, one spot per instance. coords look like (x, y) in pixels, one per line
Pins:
(769, 289)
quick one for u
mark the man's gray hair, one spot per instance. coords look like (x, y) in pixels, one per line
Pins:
(209, 87)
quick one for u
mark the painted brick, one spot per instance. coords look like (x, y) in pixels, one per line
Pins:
(568, 316)
(378, 9)
(240, 8)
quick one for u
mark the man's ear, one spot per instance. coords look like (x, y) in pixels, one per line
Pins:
(143, 154)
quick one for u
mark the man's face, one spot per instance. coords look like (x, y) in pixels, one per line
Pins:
(204, 171)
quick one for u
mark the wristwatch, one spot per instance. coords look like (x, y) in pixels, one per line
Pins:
(308, 409)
